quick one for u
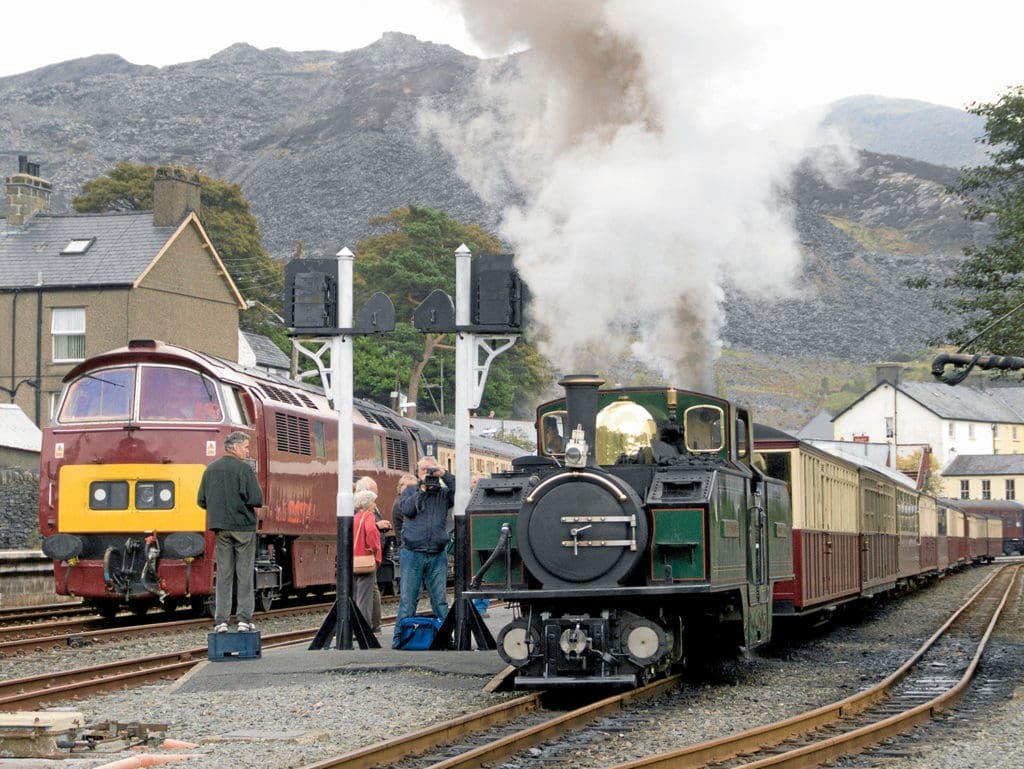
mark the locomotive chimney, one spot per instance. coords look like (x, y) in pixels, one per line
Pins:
(581, 404)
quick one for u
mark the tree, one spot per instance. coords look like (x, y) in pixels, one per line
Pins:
(990, 280)
(229, 223)
(417, 256)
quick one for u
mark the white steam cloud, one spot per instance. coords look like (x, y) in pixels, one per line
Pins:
(644, 185)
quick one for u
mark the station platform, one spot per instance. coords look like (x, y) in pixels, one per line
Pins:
(292, 663)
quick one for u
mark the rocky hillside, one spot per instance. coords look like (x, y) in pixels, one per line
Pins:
(322, 141)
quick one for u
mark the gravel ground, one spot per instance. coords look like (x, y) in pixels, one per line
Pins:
(291, 726)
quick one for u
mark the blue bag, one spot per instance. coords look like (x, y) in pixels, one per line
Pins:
(416, 633)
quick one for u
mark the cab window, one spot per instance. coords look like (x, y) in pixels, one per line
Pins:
(177, 394)
(101, 396)
(554, 433)
(703, 428)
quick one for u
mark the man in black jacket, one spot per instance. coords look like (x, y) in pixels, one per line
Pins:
(230, 494)
(424, 554)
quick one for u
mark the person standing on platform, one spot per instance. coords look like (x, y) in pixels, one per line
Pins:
(424, 553)
(230, 493)
(366, 483)
(365, 541)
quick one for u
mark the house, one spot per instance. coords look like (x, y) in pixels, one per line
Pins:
(952, 421)
(258, 351)
(76, 285)
(986, 476)
(20, 439)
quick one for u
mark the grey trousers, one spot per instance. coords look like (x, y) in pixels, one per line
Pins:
(236, 562)
(363, 585)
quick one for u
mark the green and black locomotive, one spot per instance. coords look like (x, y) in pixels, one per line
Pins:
(640, 536)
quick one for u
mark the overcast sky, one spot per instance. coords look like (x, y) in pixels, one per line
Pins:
(808, 52)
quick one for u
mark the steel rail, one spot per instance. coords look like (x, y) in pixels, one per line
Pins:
(390, 751)
(813, 754)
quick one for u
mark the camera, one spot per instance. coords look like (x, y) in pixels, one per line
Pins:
(431, 483)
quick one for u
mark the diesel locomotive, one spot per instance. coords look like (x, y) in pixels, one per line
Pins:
(641, 534)
(121, 464)
(655, 525)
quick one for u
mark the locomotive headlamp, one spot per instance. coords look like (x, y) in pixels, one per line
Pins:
(154, 495)
(108, 495)
(645, 642)
(576, 450)
(515, 643)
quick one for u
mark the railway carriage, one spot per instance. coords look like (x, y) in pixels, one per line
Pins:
(826, 539)
(1011, 516)
(121, 464)
(928, 510)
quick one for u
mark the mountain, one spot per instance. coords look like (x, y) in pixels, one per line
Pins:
(914, 129)
(320, 142)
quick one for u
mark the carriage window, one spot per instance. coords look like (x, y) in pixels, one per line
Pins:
(703, 425)
(177, 394)
(100, 396)
(625, 429)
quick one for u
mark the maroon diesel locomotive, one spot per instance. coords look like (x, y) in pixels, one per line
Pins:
(121, 464)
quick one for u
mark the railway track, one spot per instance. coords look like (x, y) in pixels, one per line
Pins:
(35, 691)
(20, 639)
(931, 681)
(483, 738)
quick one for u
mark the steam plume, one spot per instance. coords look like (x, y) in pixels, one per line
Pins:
(643, 188)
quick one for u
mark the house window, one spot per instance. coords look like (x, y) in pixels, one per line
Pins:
(986, 489)
(952, 429)
(965, 489)
(1011, 492)
(888, 427)
(970, 431)
(1013, 432)
(67, 325)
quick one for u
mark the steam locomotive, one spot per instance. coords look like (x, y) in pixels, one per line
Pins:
(642, 533)
(656, 525)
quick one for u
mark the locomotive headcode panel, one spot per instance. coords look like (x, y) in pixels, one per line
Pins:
(641, 535)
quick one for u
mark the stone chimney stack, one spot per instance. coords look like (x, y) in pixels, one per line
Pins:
(175, 192)
(888, 372)
(27, 193)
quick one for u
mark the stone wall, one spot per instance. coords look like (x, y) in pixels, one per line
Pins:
(19, 495)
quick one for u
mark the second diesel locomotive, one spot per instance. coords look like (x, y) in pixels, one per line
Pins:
(642, 534)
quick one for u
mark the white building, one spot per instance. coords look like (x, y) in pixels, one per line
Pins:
(951, 420)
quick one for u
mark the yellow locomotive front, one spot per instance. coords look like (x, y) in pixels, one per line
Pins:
(119, 472)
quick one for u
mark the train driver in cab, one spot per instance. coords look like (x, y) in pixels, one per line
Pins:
(552, 438)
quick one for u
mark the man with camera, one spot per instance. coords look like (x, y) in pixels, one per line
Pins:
(424, 551)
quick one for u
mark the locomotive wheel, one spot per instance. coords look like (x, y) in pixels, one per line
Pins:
(138, 608)
(106, 609)
(169, 605)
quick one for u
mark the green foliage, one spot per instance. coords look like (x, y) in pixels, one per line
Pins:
(227, 220)
(989, 280)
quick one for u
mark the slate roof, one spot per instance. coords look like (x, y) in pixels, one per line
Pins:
(126, 244)
(267, 353)
(17, 431)
(1001, 404)
(986, 464)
